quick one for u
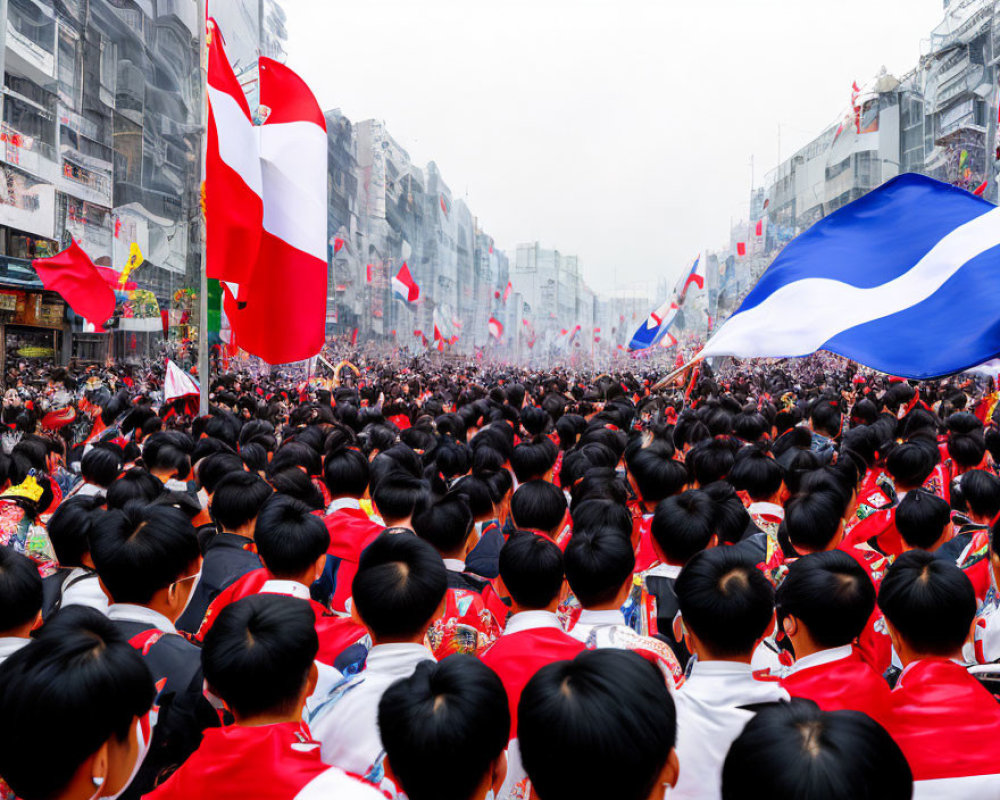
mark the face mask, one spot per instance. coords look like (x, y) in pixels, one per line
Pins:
(190, 597)
(143, 738)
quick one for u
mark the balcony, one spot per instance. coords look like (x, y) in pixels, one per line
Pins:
(31, 39)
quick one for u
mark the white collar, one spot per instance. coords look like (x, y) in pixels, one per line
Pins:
(609, 616)
(670, 571)
(291, 588)
(454, 564)
(766, 508)
(129, 612)
(11, 644)
(720, 668)
(342, 503)
(821, 657)
(399, 658)
(531, 620)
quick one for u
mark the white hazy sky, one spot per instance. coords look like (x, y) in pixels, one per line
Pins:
(618, 130)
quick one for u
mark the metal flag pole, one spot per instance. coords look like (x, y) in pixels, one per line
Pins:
(203, 367)
(679, 371)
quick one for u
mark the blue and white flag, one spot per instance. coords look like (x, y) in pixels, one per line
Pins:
(654, 327)
(905, 280)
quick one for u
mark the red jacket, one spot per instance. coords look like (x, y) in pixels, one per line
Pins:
(351, 531)
(847, 683)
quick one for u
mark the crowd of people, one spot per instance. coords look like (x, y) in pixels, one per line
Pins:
(459, 581)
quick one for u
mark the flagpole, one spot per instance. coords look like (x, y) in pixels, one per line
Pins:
(203, 367)
(679, 371)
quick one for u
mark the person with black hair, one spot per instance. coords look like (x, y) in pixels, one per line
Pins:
(80, 689)
(599, 567)
(532, 572)
(797, 750)
(229, 552)
(20, 601)
(540, 507)
(825, 423)
(445, 730)
(347, 475)
(726, 610)
(292, 543)
(148, 561)
(924, 521)
(398, 592)
(468, 624)
(167, 457)
(76, 582)
(259, 659)
(823, 606)
(133, 484)
(653, 478)
(971, 543)
(600, 725)
(534, 460)
(99, 468)
(762, 478)
(942, 718)
(710, 461)
(985, 645)
(682, 526)
(484, 560)
(397, 498)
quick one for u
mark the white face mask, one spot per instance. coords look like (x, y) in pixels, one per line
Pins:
(143, 738)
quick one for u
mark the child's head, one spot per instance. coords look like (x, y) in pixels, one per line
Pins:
(448, 525)
(923, 521)
(531, 568)
(291, 540)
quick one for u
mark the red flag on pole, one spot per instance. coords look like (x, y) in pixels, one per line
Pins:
(73, 275)
(760, 227)
(741, 248)
(507, 291)
(981, 189)
(338, 245)
(354, 337)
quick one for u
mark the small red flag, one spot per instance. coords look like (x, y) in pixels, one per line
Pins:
(507, 291)
(981, 189)
(369, 273)
(73, 275)
(354, 337)
(338, 245)
(741, 248)
(760, 227)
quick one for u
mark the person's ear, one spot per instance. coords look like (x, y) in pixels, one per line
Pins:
(319, 567)
(100, 765)
(668, 775)
(790, 625)
(313, 679)
(499, 773)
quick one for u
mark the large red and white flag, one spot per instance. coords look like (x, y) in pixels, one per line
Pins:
(284, 315)
(233, 185)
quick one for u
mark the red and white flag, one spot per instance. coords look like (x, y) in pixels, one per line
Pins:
(234, 208)
(404, 286)
(496, 328)
(178, 383)
(284, 318)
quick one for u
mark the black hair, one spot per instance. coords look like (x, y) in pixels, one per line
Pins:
(921, 518)
(258, 653)
(598, 514)
(598, 563)
(538, 505)
(656, 477)
(399, 495)
(831, 594)
(531, 567)
(607, 709)
(212, 469)
(100, 466)
(135, 484)
(20, 590)
(168, 451)
(929, 601)
(710, 461)
(346, 472)
(812, 520)
(910, 463)
(70, 526)
(725, 601)
(532, 460)
(476, 494)
(140, 550)
(399, 584)
(750, 426)
(238, 499)
(683, 525)
(756, 473)
(731, 521)
(981, 492)
(796, 750)
(966, 444)
(289, 537)
(446, 524)
(293, 482)
(254, 457)
(826, 417)
(449, 717)
(296, 454)
(74, 688)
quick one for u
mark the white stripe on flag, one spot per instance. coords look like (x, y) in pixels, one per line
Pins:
(237, 139)
(801, 316)
(295, 209)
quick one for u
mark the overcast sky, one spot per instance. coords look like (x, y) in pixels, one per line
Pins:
(618, 130)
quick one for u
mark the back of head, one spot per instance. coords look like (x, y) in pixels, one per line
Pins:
(538, 505)
(20, 590)
(290, 538)
(682, 525)
(599, 562)
(981, 492)
(238, 499)
(168, 452)
(656, 477)
(212, 469)
(825, 418)
(135, 484)
(910, 464)
(831, 594)
(400, 496)
(813, 520)
(725, 601)
(599, 514)
(602, 725)
(531, 567)
(730, 519)
(450, 717)
(400, 582)
(345, 471)
(258, 654)
(532, 460)
(69, 529)
(710, 461)
(76, 687)
(101, 465)
(294, 482)
(796, 750)
(447, 525)
(756, 473)
(142, 549)
(921, 519)
(929, 602)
